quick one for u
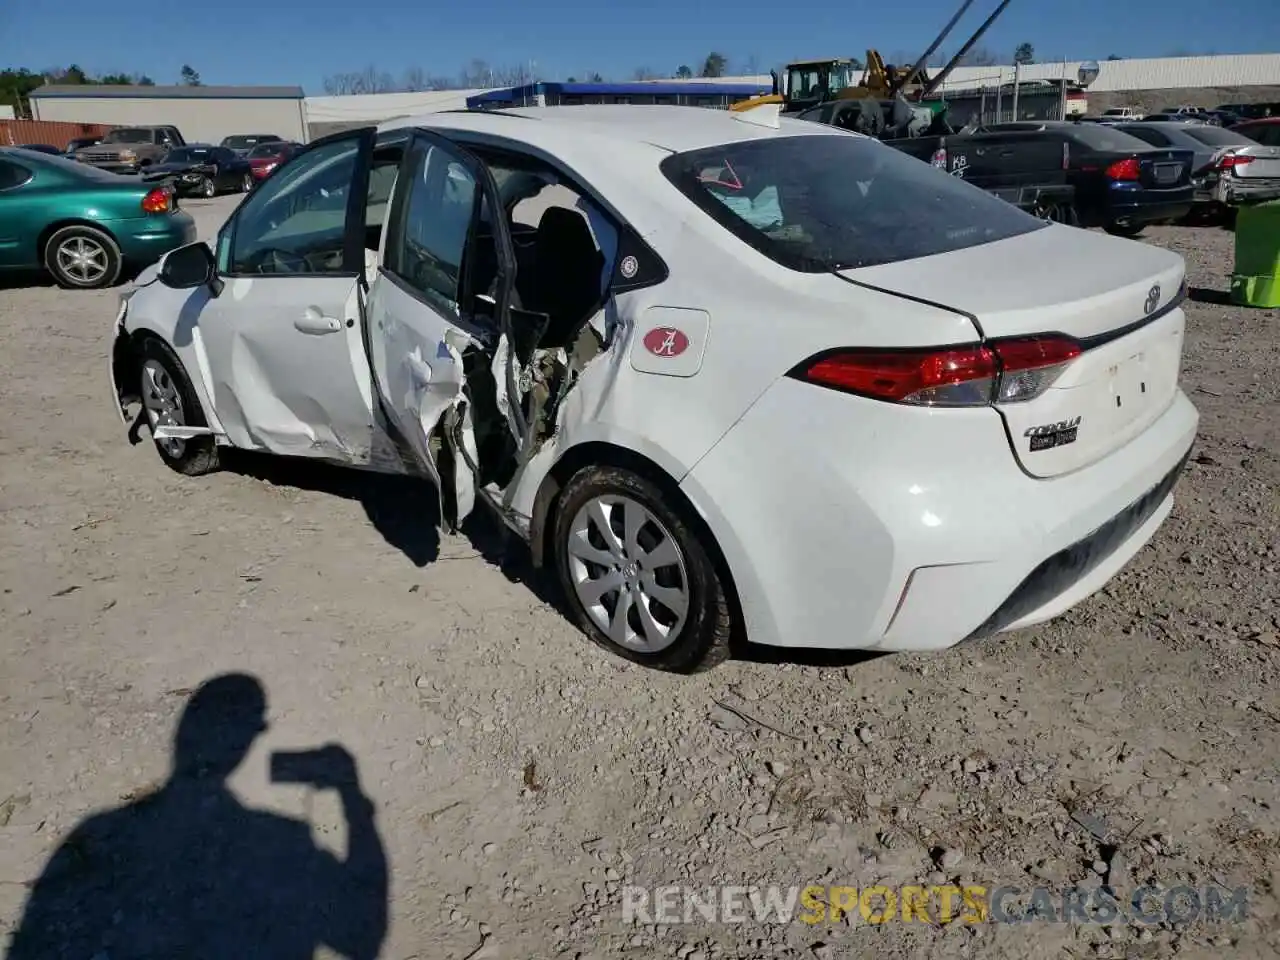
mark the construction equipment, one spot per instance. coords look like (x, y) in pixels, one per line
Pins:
(810, 83)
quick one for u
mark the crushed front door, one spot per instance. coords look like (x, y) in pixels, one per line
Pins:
(431, 303)
(283, 339)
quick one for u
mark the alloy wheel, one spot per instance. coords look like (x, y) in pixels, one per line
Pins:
(628, 572)
(163, 404)
(83, 259)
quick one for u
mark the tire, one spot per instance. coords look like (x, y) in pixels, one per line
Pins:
(701, 635)
(247, 183)
(208, 189)
(1124, 230)
(83, 258)
(193, 457)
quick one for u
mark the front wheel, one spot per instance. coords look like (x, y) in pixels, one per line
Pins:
(247, 183)
(1125, 229)
(169, 399)
(208, 189)
(637, 574)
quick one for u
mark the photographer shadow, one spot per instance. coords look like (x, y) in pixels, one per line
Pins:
(189, 871)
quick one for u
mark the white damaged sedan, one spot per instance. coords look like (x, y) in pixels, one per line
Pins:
(722, 371)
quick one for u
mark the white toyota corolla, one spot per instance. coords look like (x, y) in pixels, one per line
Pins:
(720, 370)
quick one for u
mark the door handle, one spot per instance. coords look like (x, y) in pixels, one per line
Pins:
(316, 324)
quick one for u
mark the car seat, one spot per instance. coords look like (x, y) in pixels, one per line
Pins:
(566, 277)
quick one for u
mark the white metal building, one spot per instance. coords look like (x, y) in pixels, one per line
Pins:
(1160, 73)
(203, 114)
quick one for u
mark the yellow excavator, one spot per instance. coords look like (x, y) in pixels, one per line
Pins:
(810, 83)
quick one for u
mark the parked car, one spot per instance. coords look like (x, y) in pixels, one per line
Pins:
(1172, 118)
(1119, 182)
(242, 143)
(1122, 113)
(1229, 168)
(265, 157)
(41, 148)
(1252, 111)
(79, 143)
(1266, 131)
(1221, 118)
(779, 378)
(203, 170)
(131, 149)
(84, 226)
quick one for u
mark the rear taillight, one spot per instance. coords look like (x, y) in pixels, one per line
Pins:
(159, 200)
(1000, 371)
(1128, 169)
(1233, 160)
(939, 158)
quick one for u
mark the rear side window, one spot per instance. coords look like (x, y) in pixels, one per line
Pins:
(12, 174)
(817, 203)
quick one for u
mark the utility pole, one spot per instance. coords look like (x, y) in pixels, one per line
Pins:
(1017, 72)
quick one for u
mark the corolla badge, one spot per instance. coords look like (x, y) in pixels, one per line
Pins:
(1153, 299)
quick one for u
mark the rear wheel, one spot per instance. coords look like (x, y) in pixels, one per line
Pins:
(169, 399)
(1125, 229)
(82, 258)
(247, 183)
(636, 573)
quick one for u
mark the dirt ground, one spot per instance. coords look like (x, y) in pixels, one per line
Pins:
(521, 777)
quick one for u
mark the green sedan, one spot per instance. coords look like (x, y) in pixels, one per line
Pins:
(84, 225)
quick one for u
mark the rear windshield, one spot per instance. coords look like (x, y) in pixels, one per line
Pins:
(68, 168)
(240, 141)
(267, 149)
(128, 136)
(188, 155)
(831, 202)
(1217, 137)
(1109, 139)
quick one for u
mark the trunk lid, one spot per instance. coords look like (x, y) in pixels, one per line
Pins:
(1263, 163)
(1113, 296)
(1163, 169)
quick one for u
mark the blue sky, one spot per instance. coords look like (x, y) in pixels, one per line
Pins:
(288, 42)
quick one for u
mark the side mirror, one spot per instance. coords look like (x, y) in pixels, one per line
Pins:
(189, 267)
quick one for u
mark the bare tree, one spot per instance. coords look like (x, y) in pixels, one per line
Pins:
(368, 80)
(415, 79)
(979, 57)
(751, 66)
(644, 73)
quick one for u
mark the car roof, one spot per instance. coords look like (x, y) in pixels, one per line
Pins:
(670, 128)
(615, 149)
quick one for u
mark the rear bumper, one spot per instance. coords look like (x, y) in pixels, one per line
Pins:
(145, 239)
(1051, 587)
(850, 524)
(1130, 204)
(1237, 191)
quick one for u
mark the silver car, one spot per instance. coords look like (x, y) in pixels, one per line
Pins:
(1229, 169)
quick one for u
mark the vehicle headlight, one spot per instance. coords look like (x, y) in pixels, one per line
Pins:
(128, 155)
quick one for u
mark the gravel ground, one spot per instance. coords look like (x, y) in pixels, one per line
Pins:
(521, 776)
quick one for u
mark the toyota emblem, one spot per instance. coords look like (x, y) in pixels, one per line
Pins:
(1153, 299)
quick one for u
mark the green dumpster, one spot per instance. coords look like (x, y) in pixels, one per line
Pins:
(1256, 280)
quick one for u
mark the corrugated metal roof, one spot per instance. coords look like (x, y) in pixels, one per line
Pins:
(113, 92)
(1162, 73)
